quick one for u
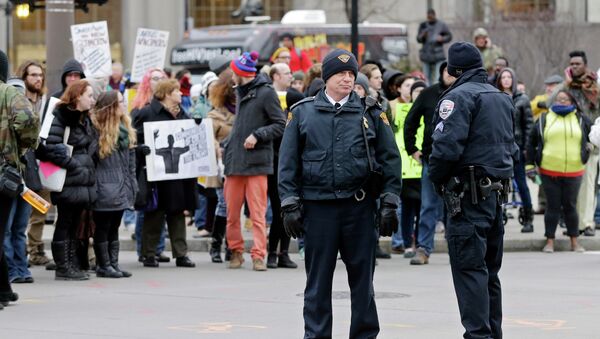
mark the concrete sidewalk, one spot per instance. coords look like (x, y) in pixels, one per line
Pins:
(514, 240)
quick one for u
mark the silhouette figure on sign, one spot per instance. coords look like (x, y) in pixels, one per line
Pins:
(170, 154)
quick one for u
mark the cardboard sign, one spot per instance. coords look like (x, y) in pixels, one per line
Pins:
(92, 48)
(180, 149)
(150, 52)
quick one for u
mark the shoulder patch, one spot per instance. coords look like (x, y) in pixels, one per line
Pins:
(289, 118)
(446, 108)
(307, 99)
(384, 118)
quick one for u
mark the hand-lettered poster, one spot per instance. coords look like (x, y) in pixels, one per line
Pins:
(92, 48)
(150, 52)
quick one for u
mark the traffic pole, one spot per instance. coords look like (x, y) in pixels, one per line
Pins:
(59, 18)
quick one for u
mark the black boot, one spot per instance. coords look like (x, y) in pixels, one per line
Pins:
(218, 234)
(113, 253)
(103, 267)
(285, 261)
(272, 260)
(215, 256)
(81, 252)
(75, 255)
(527, 220)
(64, 271)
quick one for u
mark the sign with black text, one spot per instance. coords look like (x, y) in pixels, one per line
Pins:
(150, 52)
(92, 48)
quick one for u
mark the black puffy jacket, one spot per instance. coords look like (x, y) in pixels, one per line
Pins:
(523, 119)
(80, 183)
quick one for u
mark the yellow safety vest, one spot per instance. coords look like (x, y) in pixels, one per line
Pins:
(411, 169)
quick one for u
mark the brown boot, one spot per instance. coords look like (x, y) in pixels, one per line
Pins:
(258, 265)
(421, 258)
(237, 259)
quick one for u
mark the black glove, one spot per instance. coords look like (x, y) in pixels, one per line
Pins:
(291, 213)
(198, 121)
(387, 218)
(145, 149)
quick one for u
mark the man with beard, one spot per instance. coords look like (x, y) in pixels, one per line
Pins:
(34, 76)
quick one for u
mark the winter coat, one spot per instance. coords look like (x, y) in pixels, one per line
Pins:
(523, 119)
(432, 50)
(258, 113)
(173, 195)
(80, 183)
(116, 180)
(222, 121)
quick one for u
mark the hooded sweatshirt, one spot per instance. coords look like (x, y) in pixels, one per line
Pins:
(71, 65)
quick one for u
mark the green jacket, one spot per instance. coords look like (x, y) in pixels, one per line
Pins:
(19, 125)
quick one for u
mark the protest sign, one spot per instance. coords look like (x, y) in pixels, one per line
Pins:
(180, 149)
(92, 49)
(150, 52)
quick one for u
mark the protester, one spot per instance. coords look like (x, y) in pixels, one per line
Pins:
(313, 73)
(489, 52)
(423, 109)
(248, 157)
(299, 60)
(499, 64)
(72, 71)
(33, 75)
(361, 85)
(116, 80)
(143, 97)
(539, 102)
(71, 116)
(298, 81)
(507, 82)
(433, 34)
(19, 128)
(281, 55)
(115, 179)
(582, 84)
(222, 98)
(173, 196)
(558, 147)
(184, 77)
(410, 197)
(389, 84)
(402, 85)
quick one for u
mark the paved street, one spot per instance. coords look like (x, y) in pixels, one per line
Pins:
(545, 296)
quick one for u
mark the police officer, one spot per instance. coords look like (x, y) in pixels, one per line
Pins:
(329, 182)
(471, 163)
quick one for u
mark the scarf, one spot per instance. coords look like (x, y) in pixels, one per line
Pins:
(562, 110)
(174, 110)
(588, 85)
(123, 140)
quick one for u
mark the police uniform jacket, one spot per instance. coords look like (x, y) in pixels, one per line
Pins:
(323, 154)
(474, 127)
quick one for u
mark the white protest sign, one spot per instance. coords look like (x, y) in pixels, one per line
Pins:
(180, 149)
(48, 118)
(150, 52)
(92, 49)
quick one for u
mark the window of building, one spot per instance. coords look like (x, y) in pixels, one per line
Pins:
(218, 12)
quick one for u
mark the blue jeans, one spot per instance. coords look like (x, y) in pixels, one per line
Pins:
(397, 240)
(432, 210)
(200, 212)
(15, 240)
(432, 71)
(139, 223)
(221, 204)
(521, 180)
(129, 217)
(597, 212)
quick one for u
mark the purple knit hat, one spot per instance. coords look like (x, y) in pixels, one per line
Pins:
(245, 65)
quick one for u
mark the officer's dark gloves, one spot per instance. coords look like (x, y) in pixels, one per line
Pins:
(291, 213)
(387, 218)
(145, 149)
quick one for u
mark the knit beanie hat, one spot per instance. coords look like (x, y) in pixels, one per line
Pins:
(463, 56)
(245, 64)
(277, 52)
(415, 85)
(298, 76)
(3, 66)
(292, 97)
(363, 81)
(337, 61)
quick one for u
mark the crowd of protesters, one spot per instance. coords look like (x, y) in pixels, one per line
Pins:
(106, 183)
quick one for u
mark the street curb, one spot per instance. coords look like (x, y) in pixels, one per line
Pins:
(441, 246)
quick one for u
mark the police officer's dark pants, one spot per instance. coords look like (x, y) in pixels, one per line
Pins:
(475, 239)
(348, 226)
(153, 223)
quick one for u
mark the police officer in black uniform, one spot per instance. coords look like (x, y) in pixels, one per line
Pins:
(329, 183)
(471, 164)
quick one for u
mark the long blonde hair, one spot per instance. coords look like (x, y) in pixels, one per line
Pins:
(107, 116)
